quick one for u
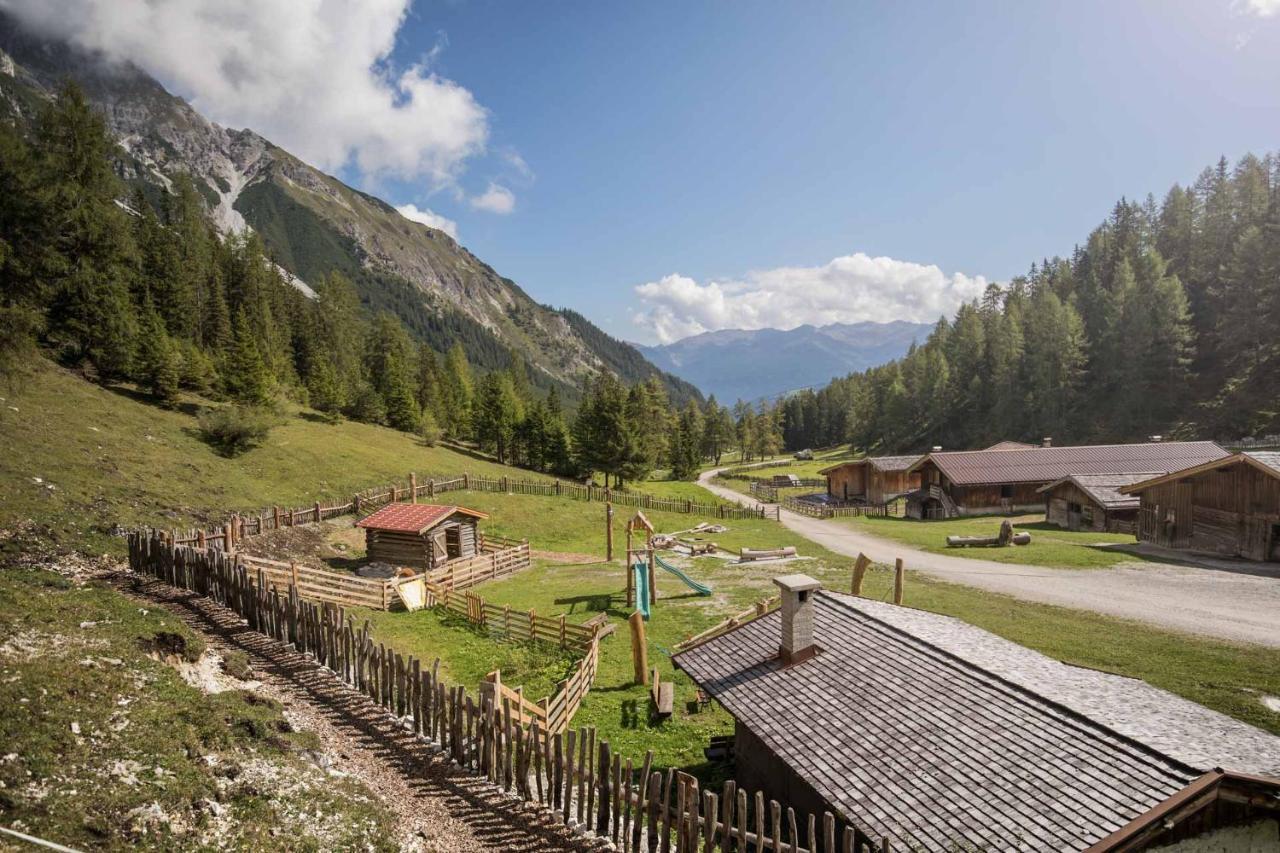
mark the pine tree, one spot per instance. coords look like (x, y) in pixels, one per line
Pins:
(245, 375)
(159, 367)
(456, 393)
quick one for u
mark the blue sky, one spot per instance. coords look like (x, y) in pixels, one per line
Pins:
(668, 168)
(714, 139)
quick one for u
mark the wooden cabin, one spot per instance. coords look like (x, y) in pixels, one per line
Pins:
(963, 723)
(422, 536)
(984, 482)
(872, 480)
(1228, 506)
(1093, 502)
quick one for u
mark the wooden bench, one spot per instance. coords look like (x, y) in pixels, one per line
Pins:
(663, 696)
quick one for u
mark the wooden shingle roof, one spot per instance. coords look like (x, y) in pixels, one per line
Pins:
(1104, 489)
(1046, 464)
(413, 518)
(880, 463)
(1266, 461)
(946, 736)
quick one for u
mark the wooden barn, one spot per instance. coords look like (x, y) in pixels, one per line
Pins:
(872, 480)
(1228, 506)
(983, 482)
(1093, 502)
(423, 536)
(945, 737)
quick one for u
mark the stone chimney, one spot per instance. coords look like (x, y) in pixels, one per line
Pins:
(797, 617)
(1047, 441)
(1156, 439)
(937, 448)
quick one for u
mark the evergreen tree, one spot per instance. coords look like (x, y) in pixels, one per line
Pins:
(159, 367)
(245, 375)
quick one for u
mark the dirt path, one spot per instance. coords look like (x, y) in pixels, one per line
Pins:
(1239, 602)
(439, 808)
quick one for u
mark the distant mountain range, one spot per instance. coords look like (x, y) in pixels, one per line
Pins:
(750, 365)
(313, 223)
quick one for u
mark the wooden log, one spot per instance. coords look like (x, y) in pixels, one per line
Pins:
(639, 648)
(859, 572)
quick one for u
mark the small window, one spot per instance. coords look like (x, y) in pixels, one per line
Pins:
(1006, 491)
(1086, 515)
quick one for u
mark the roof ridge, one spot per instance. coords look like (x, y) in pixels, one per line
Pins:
(1072, 447)
(1079, 716)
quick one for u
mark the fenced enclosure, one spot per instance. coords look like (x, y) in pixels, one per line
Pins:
(572, 774)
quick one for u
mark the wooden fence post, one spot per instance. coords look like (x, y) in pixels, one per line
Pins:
(859, 571)
(413, 487)
(639, 651)
(899, 575)
(317, 512)
(608, 532)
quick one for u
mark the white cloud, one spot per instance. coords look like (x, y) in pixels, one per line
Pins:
(849, 289)
(311, 75)
(496, 199)
(1259, 8)
(429, 218)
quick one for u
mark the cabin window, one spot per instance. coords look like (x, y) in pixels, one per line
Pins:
(1071, 507)
(453, 541)
(1006, 491)
(1086, 515)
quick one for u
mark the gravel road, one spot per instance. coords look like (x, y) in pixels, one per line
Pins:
(1233, 600)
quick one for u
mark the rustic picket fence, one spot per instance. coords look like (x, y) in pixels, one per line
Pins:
(572, 774)
(816, 509)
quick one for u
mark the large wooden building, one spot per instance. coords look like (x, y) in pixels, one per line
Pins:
(1228, 506)
(945, 737)
(1093, 502)
(979, 482)
(872, 480)
(422, 536)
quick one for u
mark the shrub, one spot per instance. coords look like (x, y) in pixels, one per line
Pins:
(234, 429)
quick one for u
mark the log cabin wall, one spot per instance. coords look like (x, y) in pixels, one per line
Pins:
(398, 549)
(984, 498)
(881, 484)
(1058, 510)
(454, 538)
(848, 482)
(1233, 511)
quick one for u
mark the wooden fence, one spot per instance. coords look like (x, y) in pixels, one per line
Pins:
(572, 774)
(815, 509)
(512, 624)
(498, 559)
(320, 585)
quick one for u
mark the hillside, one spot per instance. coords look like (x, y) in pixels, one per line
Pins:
(738, 364)
(313, 223)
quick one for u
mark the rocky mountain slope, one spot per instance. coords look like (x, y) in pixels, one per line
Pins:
(312, 222)
(735, 364)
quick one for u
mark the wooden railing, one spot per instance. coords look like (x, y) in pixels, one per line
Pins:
(512, 624)
(321, 585)
(571, 774)
(755, 611)
(815, 509)
(493, 563)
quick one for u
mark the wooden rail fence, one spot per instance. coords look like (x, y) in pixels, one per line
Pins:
(815, 509)
(512, 624)
(572, 774)
(755, 611)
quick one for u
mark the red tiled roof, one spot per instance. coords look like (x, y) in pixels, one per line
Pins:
(1045, 464)
(413, 518)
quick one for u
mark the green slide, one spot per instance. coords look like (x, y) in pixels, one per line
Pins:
(642, 588)
(700, 589)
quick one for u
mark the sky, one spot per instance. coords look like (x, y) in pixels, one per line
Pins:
(672, 168)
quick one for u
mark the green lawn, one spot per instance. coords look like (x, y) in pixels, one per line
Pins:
(1050, 545)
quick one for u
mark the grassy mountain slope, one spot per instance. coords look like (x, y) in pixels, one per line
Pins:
(313, 223)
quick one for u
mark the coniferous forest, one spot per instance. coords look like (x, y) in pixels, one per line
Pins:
(1165, 320)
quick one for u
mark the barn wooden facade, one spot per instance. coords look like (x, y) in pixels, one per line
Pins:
(422, 536)
(874, 480)
(1230, 507)
(982, 482)
(1093, 502)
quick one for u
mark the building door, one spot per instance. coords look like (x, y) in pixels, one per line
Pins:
(439, 547)
(1275, 543)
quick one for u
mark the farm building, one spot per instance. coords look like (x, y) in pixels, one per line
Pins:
(978, 482)
(1228, 506)
(422, 536)
(873, 480)
(946, 737)
(1093, 502)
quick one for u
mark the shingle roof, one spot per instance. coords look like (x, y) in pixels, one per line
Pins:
(1104, 488)
(936, 732)
(1265, 460)
(1045, 464)
(880, 463)
(412, 518)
